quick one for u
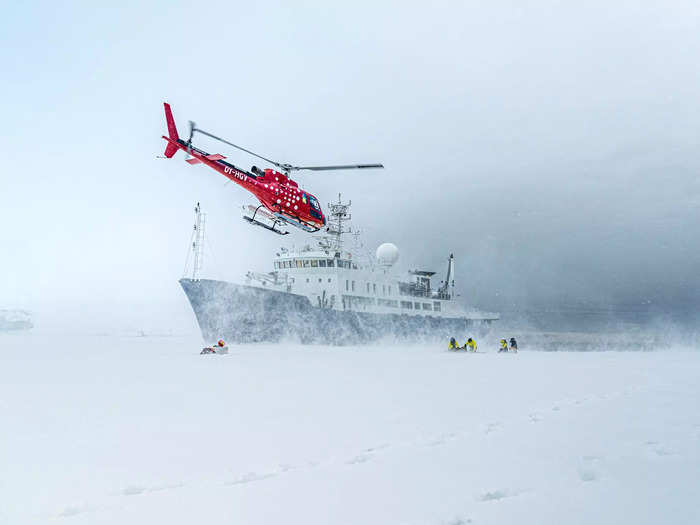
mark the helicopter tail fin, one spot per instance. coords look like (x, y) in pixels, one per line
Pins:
(171, 148)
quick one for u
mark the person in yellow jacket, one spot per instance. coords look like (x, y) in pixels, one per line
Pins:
(453, 344)
(470, 345)
(504, 346)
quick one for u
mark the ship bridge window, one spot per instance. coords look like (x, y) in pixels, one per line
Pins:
(408, 305)
(353, 286)
(322, 263)
(298, 261)
(314, 263)
(389, 289)
(367, 287)
(417, 306)
(436, 306)
(374, 288)
(427, 306)
(306, 263)
(354, 266)
(330, 263)
(387, 302)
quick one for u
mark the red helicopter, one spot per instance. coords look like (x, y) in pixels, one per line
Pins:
(282, 199)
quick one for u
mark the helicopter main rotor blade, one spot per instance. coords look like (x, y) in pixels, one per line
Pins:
(343, 167)
(236, 146)
(284, 167)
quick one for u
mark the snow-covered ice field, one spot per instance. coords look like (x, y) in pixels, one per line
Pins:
(115, 430)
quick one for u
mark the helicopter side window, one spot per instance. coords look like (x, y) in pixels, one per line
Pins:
(314, 202)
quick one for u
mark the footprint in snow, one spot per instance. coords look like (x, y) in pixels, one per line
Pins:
(361, 458)
(458, 521)
(659, 449)
(250, 477)
(133, 490)
(378, 447)
(588, 470)
(496, 495)
(587, 474)
(73, 510)
(367, 454)
(492, 427)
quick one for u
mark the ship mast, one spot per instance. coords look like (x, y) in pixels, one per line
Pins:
(339, 214)
(198, 241)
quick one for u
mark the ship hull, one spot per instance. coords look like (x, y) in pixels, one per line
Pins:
(248, 314)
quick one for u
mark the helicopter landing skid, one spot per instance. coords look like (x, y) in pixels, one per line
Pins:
(263, 219)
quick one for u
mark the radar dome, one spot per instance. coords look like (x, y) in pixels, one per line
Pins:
(387, 254)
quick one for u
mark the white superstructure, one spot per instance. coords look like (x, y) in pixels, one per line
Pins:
(333, 278)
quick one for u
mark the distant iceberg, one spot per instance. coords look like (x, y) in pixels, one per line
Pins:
(15, 320)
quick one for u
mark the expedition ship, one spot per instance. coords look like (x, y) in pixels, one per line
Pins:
(327, 294)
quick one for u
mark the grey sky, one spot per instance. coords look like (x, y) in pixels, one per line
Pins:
(553, 148)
